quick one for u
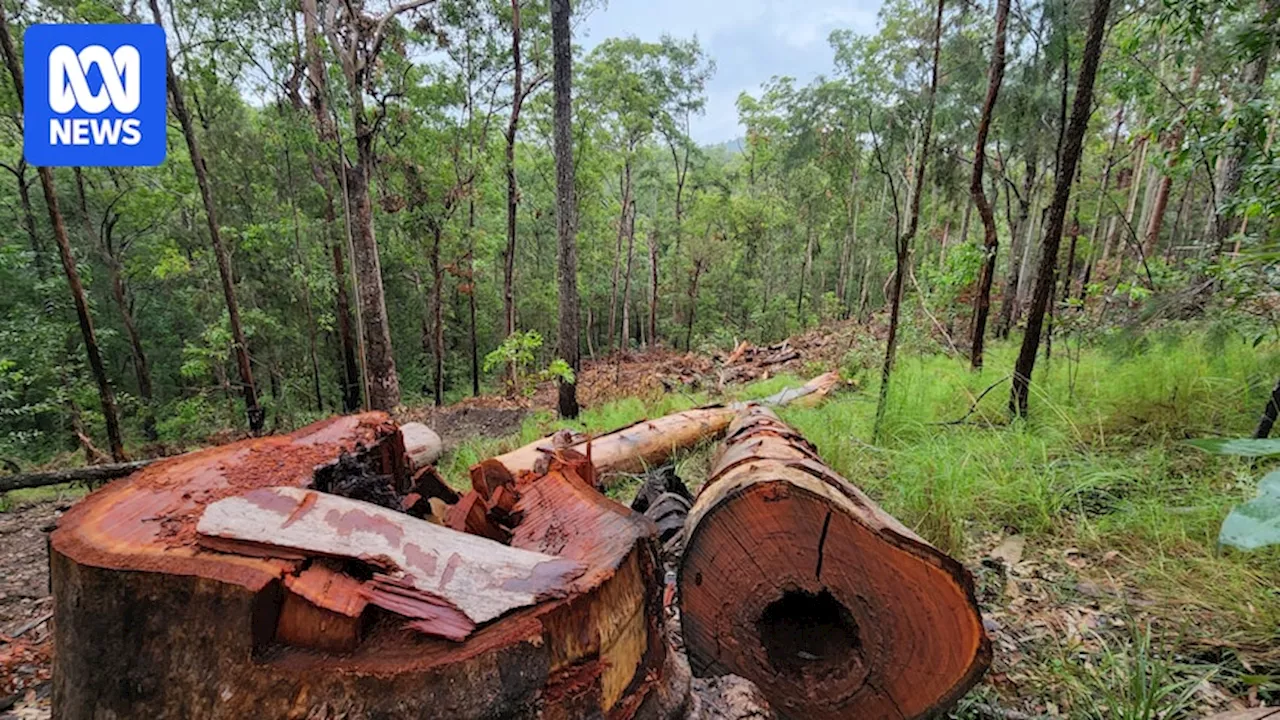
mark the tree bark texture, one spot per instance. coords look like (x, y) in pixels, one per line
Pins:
(796, 580)
(1070, 157)
(566, 203)
(990, 242)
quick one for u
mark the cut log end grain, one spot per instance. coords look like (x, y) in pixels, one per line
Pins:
(795, 579)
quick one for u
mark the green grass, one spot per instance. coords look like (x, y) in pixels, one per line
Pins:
(30, 496)
(1101, 465)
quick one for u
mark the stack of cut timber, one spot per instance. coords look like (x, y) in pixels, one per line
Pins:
(221, 585)
(796, 580)
(634, 448)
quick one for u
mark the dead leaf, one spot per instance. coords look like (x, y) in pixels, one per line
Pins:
(1010, 550)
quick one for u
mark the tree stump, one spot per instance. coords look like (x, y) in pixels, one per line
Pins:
(148, 623)
(796, 580)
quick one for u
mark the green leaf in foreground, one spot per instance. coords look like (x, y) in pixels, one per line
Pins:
(1256, 523)
(1245, 447)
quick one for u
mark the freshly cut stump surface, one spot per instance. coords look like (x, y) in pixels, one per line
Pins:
(150, 624)
(796, 580)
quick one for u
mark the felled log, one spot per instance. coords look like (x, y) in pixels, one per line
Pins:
(90, 475)
(421, 444)
(631, 449)
(151, 622)
(795, 579)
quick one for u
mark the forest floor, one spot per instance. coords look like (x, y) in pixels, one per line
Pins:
(1090, 530)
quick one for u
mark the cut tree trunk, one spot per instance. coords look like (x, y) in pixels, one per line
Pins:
(645, 444)
(796, 580)
(311, 605)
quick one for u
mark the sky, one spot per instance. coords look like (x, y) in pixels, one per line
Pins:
(750, 40)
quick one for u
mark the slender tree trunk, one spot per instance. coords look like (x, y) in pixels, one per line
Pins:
(1269, 414)
(471, 297)
(105, 395)
(328, 136)
(990, 242)
(1242, 136)
(682, 172)
(804, 270)
(1034, 225)
(693, 303)
(653, 287)
(1017, 247)
(1069, 157)
(437, 316)
(120, 294)
(252, 409)
(629, 222)
(903, 244)
(617, 250)
(566, 202)
(1172, 143)
(513, 196)
(1139, 167)
(29, 219)
(1107, 166)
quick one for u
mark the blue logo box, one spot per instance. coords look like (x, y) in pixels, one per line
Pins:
(95, 95)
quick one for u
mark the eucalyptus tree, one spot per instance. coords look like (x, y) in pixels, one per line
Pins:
(356, 37)
(1069, 157)
(566, 204)
(990, 241)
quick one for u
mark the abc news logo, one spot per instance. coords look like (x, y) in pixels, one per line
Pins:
(95, 95)
(69, 89)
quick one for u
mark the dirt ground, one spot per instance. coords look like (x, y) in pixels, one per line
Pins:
(473, 417)
(25, 662)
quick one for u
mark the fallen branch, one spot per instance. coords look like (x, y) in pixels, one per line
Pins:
(91, 475)
(28, 627)
(974, 406)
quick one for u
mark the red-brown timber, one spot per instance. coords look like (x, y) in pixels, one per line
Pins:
(796, 580)
(150, 623)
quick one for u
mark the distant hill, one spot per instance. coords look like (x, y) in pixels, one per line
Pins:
(730, 147)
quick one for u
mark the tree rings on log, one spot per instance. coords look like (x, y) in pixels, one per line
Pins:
(796, 580)
(150, 623)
